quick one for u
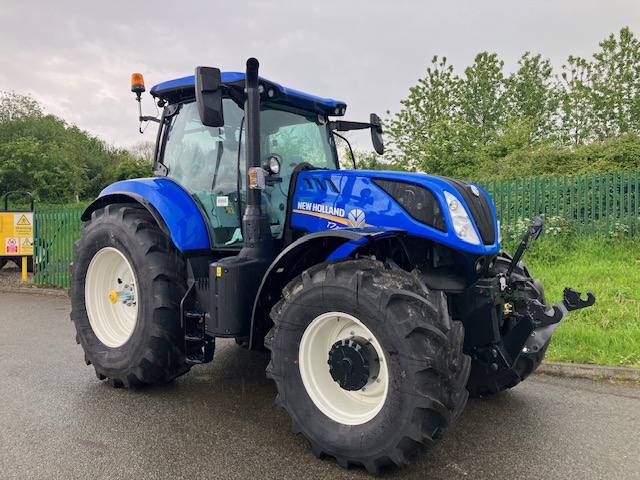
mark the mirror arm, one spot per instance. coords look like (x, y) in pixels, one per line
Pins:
(150, 119)
(342, 126)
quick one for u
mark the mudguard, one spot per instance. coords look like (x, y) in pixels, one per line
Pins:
(172, 207)
(305, 252)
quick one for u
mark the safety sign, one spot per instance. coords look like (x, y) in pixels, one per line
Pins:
(16, 233)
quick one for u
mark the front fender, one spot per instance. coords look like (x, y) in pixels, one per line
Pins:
(305, 252)
(172, 207)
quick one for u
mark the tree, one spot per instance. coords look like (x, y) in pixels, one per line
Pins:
(482, 100)
(615, 86)
(18, 107)
(27, 164)
(133, 168)
(483, 122)
(55, 161)
(533, 96)
(576, 107)
(143, 149)
(428, 133)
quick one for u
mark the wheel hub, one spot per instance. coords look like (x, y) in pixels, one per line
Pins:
(353, 362)
(126, 296)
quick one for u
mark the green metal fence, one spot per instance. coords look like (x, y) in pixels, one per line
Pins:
(56, 231)
(599, 205)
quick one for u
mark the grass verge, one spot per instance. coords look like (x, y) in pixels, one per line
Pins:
(607, 333)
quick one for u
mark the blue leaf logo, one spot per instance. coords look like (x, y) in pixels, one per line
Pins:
(356, 218)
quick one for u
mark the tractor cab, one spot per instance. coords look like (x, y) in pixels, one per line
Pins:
(203, 137)
(210, 161)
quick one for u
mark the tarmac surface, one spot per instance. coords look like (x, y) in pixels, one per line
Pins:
(219, 421)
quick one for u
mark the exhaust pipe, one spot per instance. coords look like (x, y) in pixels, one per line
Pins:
(258, 242)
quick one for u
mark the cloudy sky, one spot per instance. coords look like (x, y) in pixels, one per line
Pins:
(76, 57)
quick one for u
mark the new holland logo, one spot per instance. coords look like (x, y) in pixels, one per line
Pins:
(356, 218)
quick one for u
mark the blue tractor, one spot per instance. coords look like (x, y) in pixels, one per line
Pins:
(383, 297)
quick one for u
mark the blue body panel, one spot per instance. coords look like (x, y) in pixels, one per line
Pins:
(359, 203)
(179, 211)
(190, 82)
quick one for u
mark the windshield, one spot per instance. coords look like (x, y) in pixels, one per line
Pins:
(204, 160)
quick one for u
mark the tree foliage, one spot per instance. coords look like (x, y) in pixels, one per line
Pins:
(55, 161)
(486, 123)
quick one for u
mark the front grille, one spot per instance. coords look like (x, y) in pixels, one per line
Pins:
(418, 201)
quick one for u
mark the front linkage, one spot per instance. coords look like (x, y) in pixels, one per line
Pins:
(505, 317)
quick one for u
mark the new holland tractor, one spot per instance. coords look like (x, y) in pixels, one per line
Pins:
(383, 297)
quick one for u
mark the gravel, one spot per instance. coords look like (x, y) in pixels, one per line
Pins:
(11, 281)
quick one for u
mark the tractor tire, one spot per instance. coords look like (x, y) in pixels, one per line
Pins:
(127, 283)
(367, 362)
(483, 380)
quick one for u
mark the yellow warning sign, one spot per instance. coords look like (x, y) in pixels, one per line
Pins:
(23, 224)
(26, 247)
(16, 234)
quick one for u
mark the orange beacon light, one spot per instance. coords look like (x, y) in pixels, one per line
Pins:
(137, 83)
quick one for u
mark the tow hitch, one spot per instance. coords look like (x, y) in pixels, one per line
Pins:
(505, 298)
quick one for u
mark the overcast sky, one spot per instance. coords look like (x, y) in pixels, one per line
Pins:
(76, 57)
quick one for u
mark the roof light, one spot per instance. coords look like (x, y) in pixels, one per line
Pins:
(137, 83)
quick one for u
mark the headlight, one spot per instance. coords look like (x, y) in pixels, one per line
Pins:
(461, 221)
(272, 165)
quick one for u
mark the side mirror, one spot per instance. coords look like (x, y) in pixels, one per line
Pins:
(209, 96)
(376, 134)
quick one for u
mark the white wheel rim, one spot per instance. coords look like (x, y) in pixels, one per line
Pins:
(340, 405)
(111, 297)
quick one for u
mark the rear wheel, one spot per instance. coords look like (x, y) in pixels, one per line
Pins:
(127, 283)
(483, 379)
(367, 362)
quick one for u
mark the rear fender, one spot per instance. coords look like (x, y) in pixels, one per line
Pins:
(175, 211)
(305, 252)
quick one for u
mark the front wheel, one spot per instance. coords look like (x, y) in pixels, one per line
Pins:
(127, 283)
(367, 362)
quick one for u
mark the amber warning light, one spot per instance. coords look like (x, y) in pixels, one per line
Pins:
(137, 87)
(137, 83)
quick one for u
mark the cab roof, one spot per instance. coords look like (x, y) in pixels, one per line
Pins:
(182, 89)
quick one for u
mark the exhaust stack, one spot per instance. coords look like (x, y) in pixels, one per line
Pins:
(255, 223)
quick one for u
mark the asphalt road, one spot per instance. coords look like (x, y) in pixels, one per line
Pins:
(57, 421)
